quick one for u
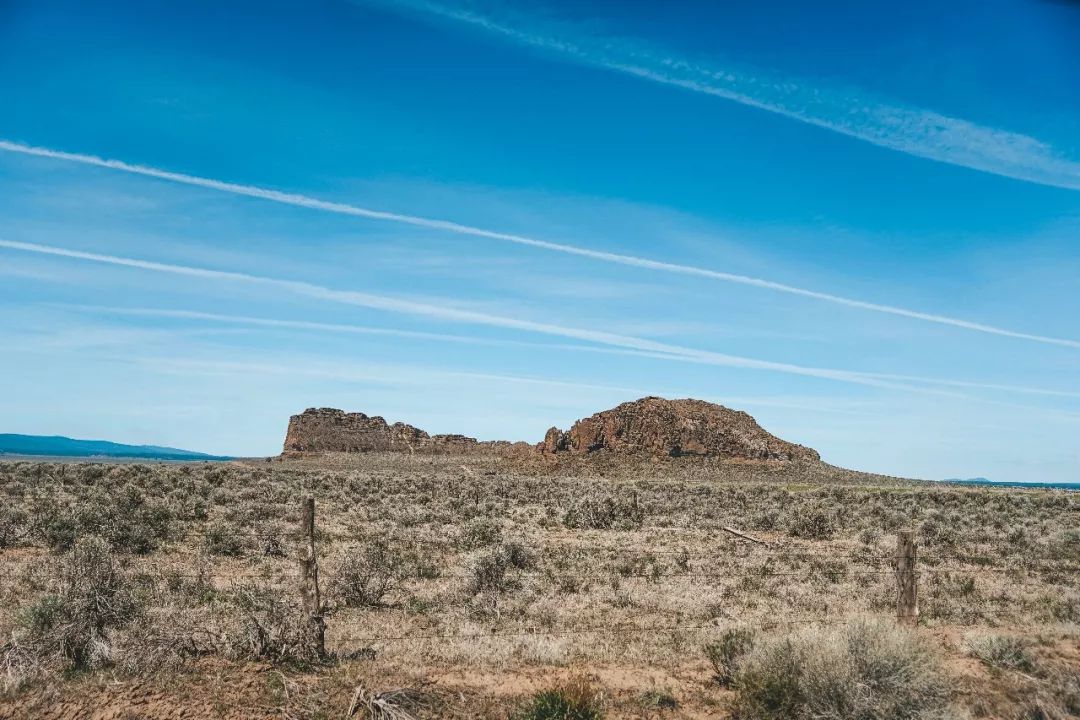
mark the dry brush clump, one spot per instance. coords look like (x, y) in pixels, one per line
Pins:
(814, 521)
(367, 572)
(999, 652)
(863, 671)
(397, 704)
(87, 597)
(728, 652)
(493, 574)
(14, 527)
(271, 626)
(604, 512)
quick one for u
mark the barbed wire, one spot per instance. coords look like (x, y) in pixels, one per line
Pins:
(606, 629)
(1025, 558)
(761, 571)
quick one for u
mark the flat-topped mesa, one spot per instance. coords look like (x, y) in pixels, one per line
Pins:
(673, 428)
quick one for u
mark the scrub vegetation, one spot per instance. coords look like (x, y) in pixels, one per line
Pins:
(475, 587)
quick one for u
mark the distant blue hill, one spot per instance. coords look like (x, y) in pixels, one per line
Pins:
(58, 446)
(1002, 483)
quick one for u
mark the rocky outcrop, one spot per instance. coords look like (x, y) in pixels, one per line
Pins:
(673, 428)
(332, 430)
(651, 426)
(318, 430)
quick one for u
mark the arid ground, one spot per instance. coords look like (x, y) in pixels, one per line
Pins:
(475, 584)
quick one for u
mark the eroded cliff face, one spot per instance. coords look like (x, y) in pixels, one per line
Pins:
(330, 430)
(650, 426)
(673, 428)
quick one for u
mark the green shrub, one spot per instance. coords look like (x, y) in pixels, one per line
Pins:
(604, 513)
(225, 540)
(658, 700)
(478, 533)
(90, 597)
(940, 531)
(491, 571)
(126, 519)
(13, 527)
(865, 671)
(516, 555)
(56, 524)
(1002, 652)
(272, 626)
(727, 653)
(489, 575)
(575, 700)
(131, 522)
(813, 521)
(367, 573)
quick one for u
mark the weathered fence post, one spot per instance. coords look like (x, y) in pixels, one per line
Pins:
(907, 593)
(309, 577)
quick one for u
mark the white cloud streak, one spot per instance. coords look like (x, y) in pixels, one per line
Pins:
(445, 313)
(397, 375)
(468, 230)
(411, 375)
(301, 325)
(390, 374)
(471, 340)
(977, 385)
(911, 130)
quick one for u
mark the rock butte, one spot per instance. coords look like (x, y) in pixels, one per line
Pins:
(650, 426)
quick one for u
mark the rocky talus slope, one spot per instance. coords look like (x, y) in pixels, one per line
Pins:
(650, 426)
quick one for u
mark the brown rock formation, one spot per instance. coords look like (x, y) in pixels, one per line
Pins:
(650, 426)
(330, 430)
(674, 428)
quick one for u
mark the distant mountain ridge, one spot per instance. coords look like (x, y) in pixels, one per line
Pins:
(60, 446)
(1007, 483)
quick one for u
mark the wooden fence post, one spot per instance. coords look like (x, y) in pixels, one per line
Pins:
(309, 577)
(907, 593)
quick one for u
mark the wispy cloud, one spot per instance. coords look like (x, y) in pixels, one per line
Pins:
(410, 375)
(348, 328)
(579, 251)
(855, 113)
(128, 345)
(296, 324)
(351, 372)
(443, 312)
(979, 385)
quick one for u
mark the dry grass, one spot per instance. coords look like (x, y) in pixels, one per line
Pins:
(436, 568)
(399, 704)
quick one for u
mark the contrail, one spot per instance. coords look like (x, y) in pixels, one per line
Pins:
(440, 312)
(343, 372)
(471, 340)
(982, 386)
(437, 337)
(305, 325)
(851, 112)
(460, 229)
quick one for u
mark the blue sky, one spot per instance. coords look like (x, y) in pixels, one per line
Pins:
(857, 222)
